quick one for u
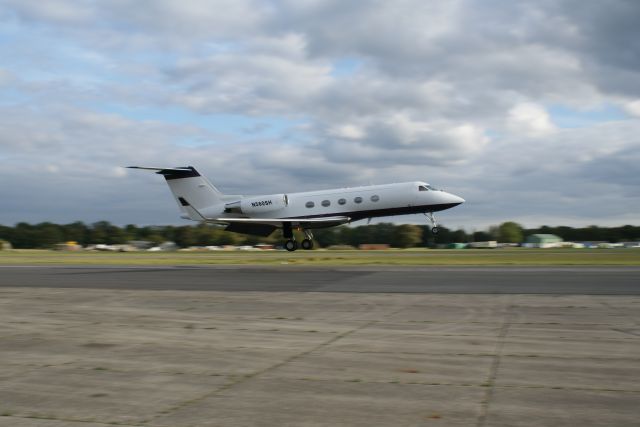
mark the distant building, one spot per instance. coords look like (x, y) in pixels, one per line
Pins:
(140, 244)
(67, 246)
(373, 246)
(489, 244)
(543, 241)
(164, 247)
(456, 245)
(4, 245)
(631, 244)
(265, 246)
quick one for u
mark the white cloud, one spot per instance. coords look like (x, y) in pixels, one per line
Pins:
(529, 120)
(347, 131)
(633, 107)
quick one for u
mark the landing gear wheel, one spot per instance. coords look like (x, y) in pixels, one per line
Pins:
(307, 244)
(291, 245)
(432, 219)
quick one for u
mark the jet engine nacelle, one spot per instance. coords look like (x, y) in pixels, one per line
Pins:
(259, 204)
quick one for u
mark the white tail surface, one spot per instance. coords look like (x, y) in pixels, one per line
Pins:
(189, 188)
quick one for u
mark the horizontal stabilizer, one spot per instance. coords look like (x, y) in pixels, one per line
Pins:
(171, 173)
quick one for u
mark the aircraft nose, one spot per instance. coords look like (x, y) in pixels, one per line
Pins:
(456, 199)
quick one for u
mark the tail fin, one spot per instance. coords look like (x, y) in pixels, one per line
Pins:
(188, 188)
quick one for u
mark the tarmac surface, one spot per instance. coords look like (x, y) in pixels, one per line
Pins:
(456, 280)
(291, 346)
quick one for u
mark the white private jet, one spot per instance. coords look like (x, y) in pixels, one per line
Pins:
(199, 200)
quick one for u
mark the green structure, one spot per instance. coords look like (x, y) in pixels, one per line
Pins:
(456, 245)
(542, 240)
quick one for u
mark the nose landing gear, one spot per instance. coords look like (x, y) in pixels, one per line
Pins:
(432, 219)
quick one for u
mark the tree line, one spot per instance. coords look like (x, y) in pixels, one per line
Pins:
(46, 234)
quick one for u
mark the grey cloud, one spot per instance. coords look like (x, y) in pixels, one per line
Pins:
(430, 98)
(619, 169)
(248, 82)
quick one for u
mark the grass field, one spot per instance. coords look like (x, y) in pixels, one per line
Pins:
(412, 257)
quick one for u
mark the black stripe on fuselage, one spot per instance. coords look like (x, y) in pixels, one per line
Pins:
(188, 172)
(373, 213)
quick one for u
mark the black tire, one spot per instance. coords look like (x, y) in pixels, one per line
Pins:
(291, 245)
(307, 244)
(434, 230)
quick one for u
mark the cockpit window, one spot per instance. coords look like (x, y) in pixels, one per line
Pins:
(427, 187)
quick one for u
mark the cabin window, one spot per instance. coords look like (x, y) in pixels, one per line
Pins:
(310, 204)
(326, 203)
(358, 199)
(423, 188)
(375, 198)
(342, 201)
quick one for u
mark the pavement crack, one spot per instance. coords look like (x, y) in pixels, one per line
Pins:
(626, 331)
(72, 420)
(495, 364)
(247, 377)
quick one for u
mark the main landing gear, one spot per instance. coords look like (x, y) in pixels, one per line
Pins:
(290, 244)
(434, 224)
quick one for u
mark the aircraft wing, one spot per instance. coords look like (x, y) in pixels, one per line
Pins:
(266, 226)
(334, 220)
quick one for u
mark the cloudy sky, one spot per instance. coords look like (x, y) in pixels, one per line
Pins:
(530, 110)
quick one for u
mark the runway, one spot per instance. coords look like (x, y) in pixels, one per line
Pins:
(423, 280)
(318, 346)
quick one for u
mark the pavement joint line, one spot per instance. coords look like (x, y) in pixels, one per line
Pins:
(29, 368)
(244, 378)
(70, 420)
(483, 385)
(524, 356)
(626, 331)
(625, 313)
(495, 364)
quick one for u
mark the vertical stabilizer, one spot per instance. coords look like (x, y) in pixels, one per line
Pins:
(188, 188)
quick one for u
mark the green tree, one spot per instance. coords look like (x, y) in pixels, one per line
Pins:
(509, 232)
(132, 232)
(459, 236)
(226, 238)
(77, 232)
(326, 237)
(99, 232)
(184, 236)
(6, 233)
(481, 236)
(406, 236)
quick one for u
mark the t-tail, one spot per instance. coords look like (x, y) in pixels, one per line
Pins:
(192, 191)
